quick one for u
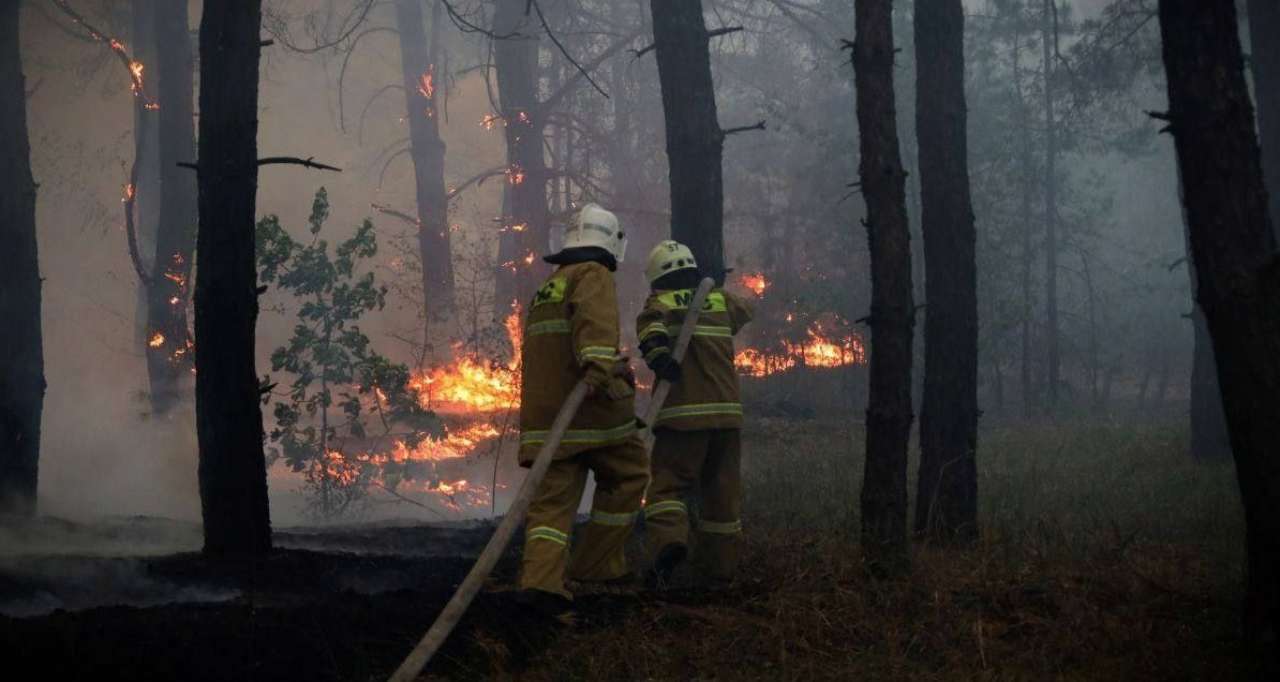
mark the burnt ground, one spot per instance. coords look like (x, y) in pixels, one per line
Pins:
(336, 604)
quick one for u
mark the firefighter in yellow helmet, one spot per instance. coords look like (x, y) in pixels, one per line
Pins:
(697, 446)
(572, 333)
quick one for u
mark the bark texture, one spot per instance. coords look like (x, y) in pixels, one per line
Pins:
(21, 345)
(169, 362)
(947, 491)
(1264, 34)
(427, 149)
(1237, 274)
(233, 475)
(694, 139)
(527, 221)
(892, 319)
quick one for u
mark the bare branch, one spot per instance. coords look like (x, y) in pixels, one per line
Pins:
(293, 160)
(281, 32)
(551, 34)
(743, 129)
(554, 100)
(132, 67)
(477, 180)
(387, 210)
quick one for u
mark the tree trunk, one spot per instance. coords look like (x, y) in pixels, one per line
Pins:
(421, 76)
(526, 227)
(146, 158)
(1028, 255)
(1237, 274)
(892, 319)
(169, 362)
(1264, 23)
(1049, 39)
(694, 138)
(21, 345)
(233, 475)
(947, 491)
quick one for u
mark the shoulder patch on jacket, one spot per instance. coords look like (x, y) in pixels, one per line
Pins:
(680, 300)
(551, 292)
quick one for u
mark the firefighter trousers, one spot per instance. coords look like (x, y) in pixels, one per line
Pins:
(621, 475)
(707, 462)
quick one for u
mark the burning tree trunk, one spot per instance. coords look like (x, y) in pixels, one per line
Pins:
(233, 474)
(526, 226)
(418, 63)
(1237, 271)
(694, 139)
(1049, 41)
(168, 346)
(947, 494)
(892, 318)
(146, 160)
(1264, 22)
(21, 345)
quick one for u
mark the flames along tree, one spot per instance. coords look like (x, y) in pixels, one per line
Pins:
(1237, 269)
(21, 345)
(947, 493)
(892, 318)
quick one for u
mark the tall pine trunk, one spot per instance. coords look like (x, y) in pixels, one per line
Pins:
(169, 363)
(1237, 273)
(426, 148)
(233, 474)
(1209, 438)
(21, 345)
(947, 491)
(527, 224)
(146, 159)
(1049, 41)
(892, 318)
(1264, 23)
(694, 140)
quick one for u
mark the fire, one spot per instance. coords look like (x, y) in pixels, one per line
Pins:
(490, 121)
(819, 350)
(156, 341)
(174, 300)
(470, 383)
(459, 443)
(523, 117)
(755, 282)
(129, 193)
(176, 278)
(427, 82)
(528, 259)
(515, 174)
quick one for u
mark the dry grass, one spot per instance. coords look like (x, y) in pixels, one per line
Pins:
(1105, 554)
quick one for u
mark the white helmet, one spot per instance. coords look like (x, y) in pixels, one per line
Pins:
(592, 226)
(667, 257)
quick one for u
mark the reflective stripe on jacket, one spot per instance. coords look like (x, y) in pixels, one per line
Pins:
(706, 397)
(571, 333)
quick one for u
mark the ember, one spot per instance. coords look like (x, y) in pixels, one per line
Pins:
(754, 282)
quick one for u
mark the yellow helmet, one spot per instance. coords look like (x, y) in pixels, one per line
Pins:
(667, 257)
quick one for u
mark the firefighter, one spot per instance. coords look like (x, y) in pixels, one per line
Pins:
(572, 333)
(697, 447)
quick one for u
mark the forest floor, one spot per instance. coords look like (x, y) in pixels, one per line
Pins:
(1106, 554)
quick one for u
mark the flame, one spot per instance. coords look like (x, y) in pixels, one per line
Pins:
(490, 121)
(470, 383)
(523, 117)
(156, 341)
(427, 82)
(176, 278)
(819, 350)
(515, 174)
(755, 282)
(129, 193)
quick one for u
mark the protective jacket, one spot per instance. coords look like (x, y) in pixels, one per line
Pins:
(572, 332)
(706, 396)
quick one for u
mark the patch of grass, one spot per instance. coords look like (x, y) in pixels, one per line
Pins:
(1105, 553)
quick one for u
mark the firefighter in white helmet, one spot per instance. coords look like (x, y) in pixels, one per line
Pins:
(697, 447)
(571, 333)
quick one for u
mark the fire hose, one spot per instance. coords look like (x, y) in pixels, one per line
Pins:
(435, 636)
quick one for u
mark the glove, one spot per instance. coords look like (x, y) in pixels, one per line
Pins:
(666, 368)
